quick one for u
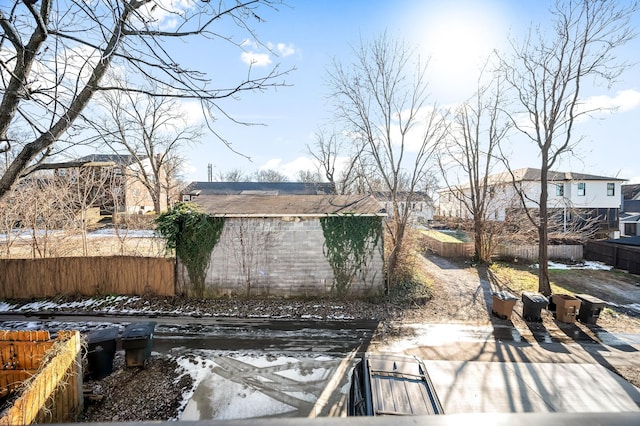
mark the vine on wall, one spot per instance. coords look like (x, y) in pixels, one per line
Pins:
(349, 243)
(193, 234)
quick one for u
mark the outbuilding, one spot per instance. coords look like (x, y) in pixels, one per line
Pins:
(294, 246)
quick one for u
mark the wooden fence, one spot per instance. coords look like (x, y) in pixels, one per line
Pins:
(49, 393)
(87, 276)
(448, 248)
(530, 252)
(619, 256)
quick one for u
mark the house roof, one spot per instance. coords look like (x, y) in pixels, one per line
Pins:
(288, 205)
(631, 192)
(629, 218)
(121, 159)
(533, 175)
(626, 241)
(530, 174)
(274, 188)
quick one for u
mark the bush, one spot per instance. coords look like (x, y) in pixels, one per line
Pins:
(410, 285)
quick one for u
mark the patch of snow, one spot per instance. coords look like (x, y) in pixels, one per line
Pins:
(304, 375)
(261, 361)
(592, 265)
(633, 307)
(110, 232)
(4, 307)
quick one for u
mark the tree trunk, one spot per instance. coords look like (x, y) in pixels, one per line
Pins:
(479, 241)
(544, 286)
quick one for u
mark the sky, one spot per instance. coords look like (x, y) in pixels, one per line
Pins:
(457, 35)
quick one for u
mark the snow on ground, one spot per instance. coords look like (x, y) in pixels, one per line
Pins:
(245, 385)
(583, 265)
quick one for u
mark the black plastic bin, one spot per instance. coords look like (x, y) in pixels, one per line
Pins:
(590, 308)
(532, 305)
(137, 342)
(101, 348)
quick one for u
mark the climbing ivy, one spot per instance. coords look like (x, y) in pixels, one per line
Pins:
(193, 234)
(349, 243)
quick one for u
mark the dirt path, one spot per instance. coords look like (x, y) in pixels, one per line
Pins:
(460, 294)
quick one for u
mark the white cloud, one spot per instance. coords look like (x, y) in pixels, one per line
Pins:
(255, 59)
(249, 43)
(286, 49)
(253, 56)
(623, 101)
(291, 168)
(272, 164)
(164, 14)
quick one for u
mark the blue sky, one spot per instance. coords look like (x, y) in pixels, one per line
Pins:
(456, 34)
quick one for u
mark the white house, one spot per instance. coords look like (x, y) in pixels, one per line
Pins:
(570, 194)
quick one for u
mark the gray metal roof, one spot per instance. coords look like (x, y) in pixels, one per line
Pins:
(288, 205)
(230, 188)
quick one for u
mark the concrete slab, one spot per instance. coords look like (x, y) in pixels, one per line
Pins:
(498, 387)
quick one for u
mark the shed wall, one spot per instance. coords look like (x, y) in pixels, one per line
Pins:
(278, 257)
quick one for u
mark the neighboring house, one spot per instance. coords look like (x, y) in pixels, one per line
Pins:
(195, 189)
(274, 245)
(126, 192)
(631, 198)
(630, 216)
(629, 224)
(572, 197)
(421, 206)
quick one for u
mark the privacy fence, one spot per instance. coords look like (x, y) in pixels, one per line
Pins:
(86, 276)
(448, 249)
(530, 252)
(452, 249)
(617, 255)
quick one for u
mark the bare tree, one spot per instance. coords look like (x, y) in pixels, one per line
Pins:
(173, 182)
(382, 98)
(43, 217)
(339, 164)
(78, 193)
(269, 175)
(152, 130)
(55, 56)
(547, 74)
(233, 175)
(11, 209)
(479, 127)
(309, 176)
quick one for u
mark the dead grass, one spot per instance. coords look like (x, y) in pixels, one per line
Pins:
(96, 246)
(440, 236)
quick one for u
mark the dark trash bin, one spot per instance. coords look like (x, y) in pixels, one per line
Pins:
(503, 303)
(137, 342)
(101, 348)
(590, 308)
(532, 305)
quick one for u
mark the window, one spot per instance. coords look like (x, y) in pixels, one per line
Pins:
(560, 190)
(611, 189)
(630, 229)
(582, 189)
